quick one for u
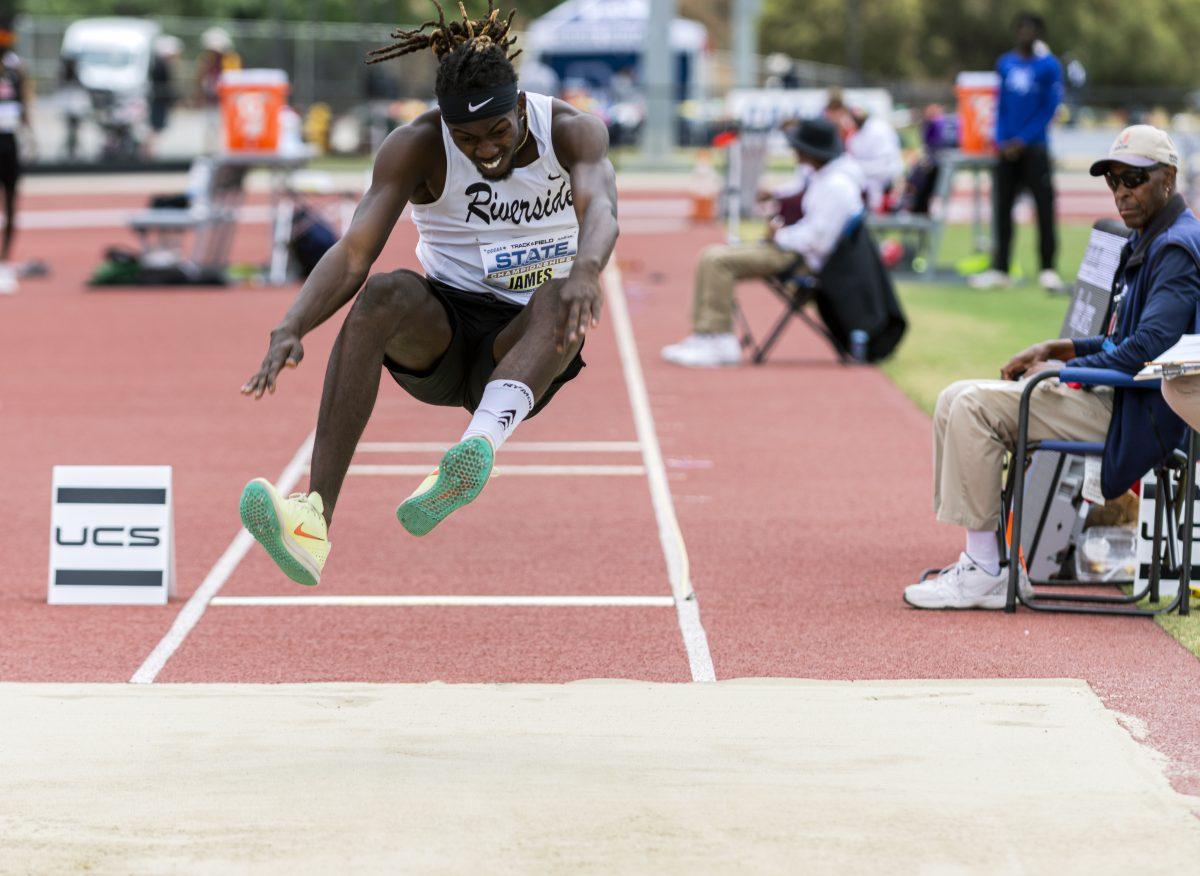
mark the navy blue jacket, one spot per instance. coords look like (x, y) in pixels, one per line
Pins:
(1157, 301)
(1030, 91)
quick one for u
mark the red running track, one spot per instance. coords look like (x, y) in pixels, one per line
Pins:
(801, 489)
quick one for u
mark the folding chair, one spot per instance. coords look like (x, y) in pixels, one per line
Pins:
(1014, 492)
(795, 287)
(210, 216)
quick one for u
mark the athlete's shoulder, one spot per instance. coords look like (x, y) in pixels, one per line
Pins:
(562, 112)
(577, 134)
(414, 147)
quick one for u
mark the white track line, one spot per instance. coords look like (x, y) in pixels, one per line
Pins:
(61, 220)
(509, 447)
(191, 613)
(568, 601)
(509, 470)
(669, 534)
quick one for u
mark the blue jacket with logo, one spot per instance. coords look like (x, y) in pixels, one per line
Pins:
(1030, 91)
(1158, 300)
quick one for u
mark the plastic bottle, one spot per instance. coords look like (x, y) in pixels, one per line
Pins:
(858, 345)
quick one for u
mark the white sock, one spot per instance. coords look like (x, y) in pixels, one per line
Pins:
(504, 405)
(983, 549)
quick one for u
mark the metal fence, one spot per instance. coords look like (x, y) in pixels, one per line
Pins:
(324, 60)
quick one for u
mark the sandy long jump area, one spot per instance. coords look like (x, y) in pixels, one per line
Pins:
(766, 775)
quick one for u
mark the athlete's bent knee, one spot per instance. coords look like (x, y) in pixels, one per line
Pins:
(397, 294)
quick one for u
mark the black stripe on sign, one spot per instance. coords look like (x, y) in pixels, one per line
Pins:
(106, 578)
(111, 496)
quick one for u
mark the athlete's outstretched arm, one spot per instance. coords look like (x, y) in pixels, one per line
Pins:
(581, 144)
(399, 169)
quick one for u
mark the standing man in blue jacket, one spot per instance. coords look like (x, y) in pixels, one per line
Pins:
(1157, 288)
(1031, 88)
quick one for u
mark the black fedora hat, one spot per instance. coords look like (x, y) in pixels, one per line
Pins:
(817, 138)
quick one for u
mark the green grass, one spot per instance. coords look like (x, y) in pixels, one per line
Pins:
(955, 332)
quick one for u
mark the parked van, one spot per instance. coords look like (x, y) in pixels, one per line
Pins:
(112, 59)
(112, 54)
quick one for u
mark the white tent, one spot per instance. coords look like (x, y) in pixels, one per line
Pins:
(612, 28)
(619, 26)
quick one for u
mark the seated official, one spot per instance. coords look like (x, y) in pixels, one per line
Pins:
(975, 422)
(875, 145)
(833, 195)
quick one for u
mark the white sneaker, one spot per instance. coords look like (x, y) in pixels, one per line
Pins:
(989, 279)
(1051, 281)
(965, 585)
(705, 351)
(8, 279)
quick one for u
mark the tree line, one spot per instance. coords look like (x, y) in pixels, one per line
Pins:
(1122, 44)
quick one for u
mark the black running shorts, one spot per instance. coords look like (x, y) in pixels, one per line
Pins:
(458, 378)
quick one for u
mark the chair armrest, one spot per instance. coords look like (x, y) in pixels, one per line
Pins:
(1104, 377)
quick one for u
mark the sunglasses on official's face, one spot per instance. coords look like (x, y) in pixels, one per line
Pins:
(1131, 179)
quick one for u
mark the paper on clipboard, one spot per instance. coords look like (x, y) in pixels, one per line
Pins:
(1181, 359)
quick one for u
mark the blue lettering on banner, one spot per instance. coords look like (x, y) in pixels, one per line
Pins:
(522, 265)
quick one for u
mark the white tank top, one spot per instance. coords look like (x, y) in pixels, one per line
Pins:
(508, 237)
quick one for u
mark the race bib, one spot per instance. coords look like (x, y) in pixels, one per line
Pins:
(523, 265)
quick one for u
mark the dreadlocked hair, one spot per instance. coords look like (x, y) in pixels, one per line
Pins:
(473, 52)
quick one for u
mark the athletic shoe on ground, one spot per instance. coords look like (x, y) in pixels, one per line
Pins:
(989, 279)
(8, 279)
(292, 530)
(965, 585)
(456, 481)
(1051, 281)
(705, 351)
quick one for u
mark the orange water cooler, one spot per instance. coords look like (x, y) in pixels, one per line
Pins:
(977, 95)
(251, 101)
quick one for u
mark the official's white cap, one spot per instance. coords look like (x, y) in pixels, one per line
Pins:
(1139, 146)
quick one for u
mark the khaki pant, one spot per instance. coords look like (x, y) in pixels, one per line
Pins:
(975, 424)
(1183, 395)
(718, 272)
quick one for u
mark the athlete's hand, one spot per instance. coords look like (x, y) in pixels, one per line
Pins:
(579, 305)
(285, 349)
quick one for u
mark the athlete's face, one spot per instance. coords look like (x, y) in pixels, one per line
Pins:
(492, 144)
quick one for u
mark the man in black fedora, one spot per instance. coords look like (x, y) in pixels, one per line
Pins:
(831, 194)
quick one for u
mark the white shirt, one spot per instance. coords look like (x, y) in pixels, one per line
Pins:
(832, 198)
(795, 185)
(876, 148)
(504, 237)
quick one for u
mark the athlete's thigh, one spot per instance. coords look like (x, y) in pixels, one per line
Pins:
(543, 307)
(418, 321)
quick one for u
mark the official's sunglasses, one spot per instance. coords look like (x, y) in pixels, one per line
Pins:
(1131, 179)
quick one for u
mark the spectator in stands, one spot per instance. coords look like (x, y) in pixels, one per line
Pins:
(1031, 88)
(216, 56)
(15, 101)
(975, 422)
(162, 85)
(1076, 82)
(838, 113)
(75, 102)
(832, 197)
(936, 137)
(875, 145)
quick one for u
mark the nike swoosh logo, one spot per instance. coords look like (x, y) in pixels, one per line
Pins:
(472, 107)
(299, 530)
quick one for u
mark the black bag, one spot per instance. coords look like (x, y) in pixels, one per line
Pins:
(856, 292)
(311, 239)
